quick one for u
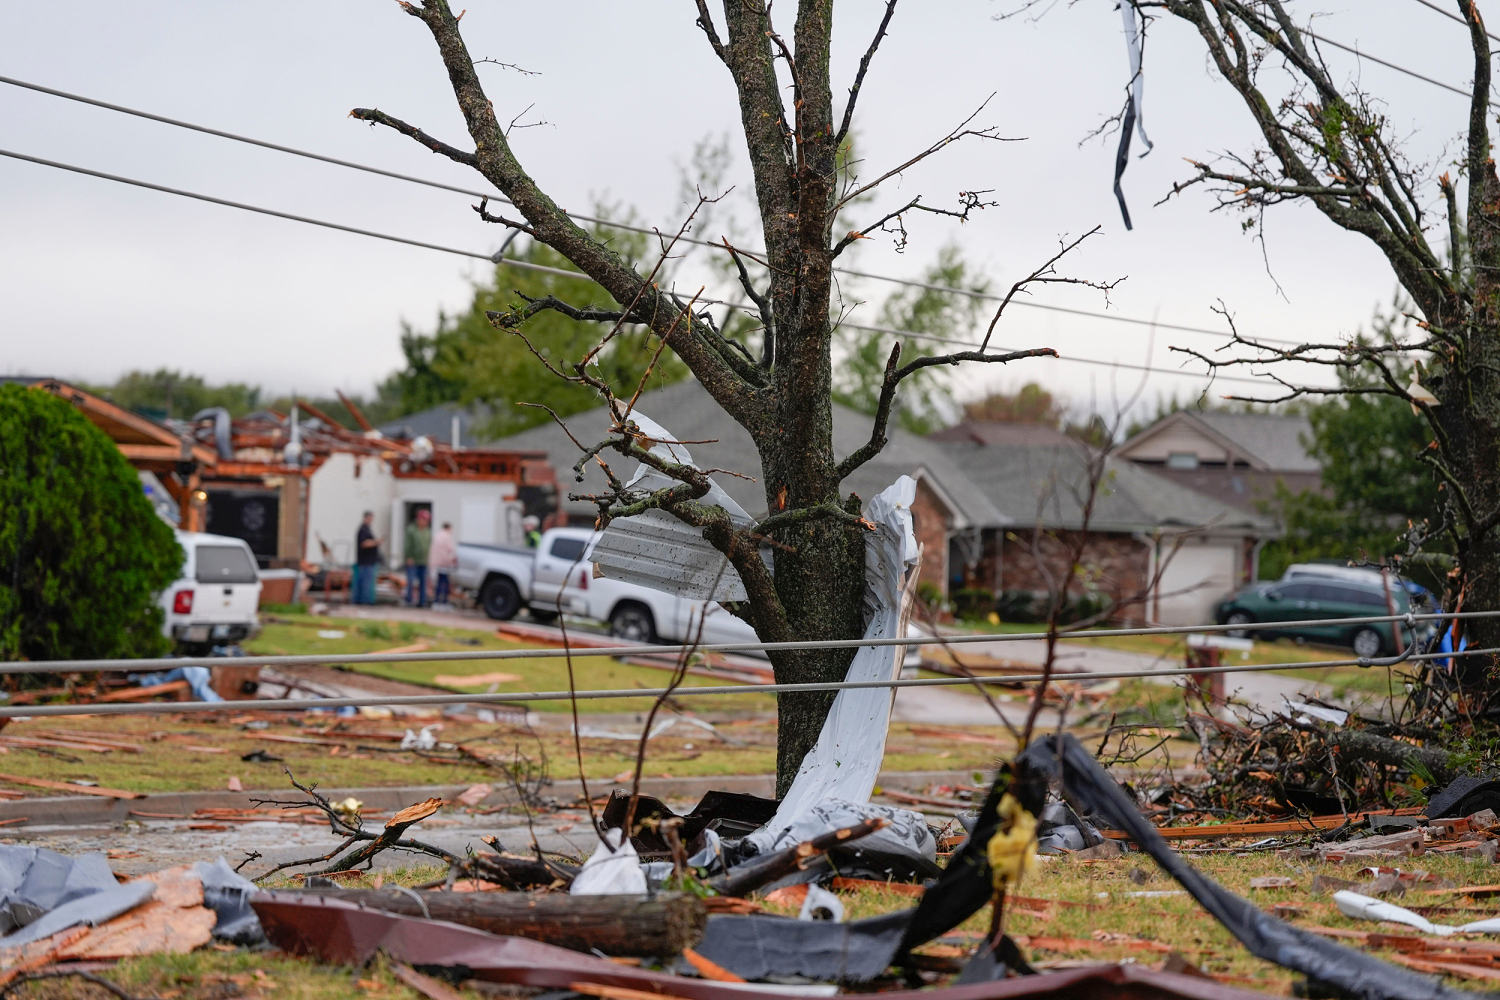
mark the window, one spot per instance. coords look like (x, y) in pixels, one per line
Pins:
(1295, 592)
(1182, 460)
(570, 549)
(225, 564)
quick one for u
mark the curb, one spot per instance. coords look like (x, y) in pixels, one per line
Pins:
(89, 810)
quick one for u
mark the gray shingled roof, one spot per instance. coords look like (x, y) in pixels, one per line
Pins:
(1046, 484)
(1274, 440)
(688, 411)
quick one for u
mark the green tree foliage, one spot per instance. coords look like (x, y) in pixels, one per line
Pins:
(925, 403)
(1030, 404)
(469, 360)
(1376, 483)
(168, 393)
(81, 552)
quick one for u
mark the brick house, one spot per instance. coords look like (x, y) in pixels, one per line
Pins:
(1161, 551)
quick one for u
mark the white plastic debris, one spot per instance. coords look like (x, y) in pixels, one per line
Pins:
(821, 904)
(1352, 904)
(424, 740)
(609, 872)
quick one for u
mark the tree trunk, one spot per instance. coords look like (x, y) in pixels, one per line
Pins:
(1469, 416)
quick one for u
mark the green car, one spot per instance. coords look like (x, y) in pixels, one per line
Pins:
(1265, 608)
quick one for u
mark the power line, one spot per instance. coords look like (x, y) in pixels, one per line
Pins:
(1387, 64)
(444, 656)
(527, 265)
(303, 704)
(495, 196)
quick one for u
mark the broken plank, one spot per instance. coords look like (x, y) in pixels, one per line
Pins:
(66, 786)
(143, 693)
(309, 740)
(79, 736)
(1217, 830)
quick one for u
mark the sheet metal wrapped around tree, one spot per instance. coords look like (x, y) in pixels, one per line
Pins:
(846, 760)
(657, 550)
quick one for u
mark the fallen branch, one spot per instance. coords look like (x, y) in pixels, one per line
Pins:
(615, 925)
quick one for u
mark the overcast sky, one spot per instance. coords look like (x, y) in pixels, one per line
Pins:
(97, 278)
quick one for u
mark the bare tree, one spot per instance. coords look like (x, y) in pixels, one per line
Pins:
(1328, 142)
(780, 393)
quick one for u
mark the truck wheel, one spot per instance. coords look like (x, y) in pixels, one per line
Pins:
(632, 623)
(500, 598)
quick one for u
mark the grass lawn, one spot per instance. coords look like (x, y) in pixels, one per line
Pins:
(300, 634)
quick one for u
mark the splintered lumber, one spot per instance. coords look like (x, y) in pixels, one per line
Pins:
(143, 693)
(1265, 829)
(615, 925)
(753, 874)
(67, 786)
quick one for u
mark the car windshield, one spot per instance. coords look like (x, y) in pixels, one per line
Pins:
(225, 564)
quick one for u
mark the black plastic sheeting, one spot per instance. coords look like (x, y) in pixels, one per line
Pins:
(1356, 974)
(860, 949)
(1465, 796)
(730, 814)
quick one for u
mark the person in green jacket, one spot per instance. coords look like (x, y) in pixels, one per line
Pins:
(418, 541)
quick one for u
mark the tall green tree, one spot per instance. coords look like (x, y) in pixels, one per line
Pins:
(82, 554)
(1380, 502)
(167, 392)
(467, 359)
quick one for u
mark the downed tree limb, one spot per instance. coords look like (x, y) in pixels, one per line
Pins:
(762, 871)
(615, 925)
(1361, 745)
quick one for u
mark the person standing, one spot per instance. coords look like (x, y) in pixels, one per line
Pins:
(443, 558)
(418, 542)
(532, 527)
(366, 560)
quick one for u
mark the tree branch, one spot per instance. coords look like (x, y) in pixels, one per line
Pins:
(859, 76)
(375, 117)
(892, 379)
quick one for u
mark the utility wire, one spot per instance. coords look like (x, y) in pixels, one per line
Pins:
(976, 295)
(527, 265)
(1454, 17)
(1387, 64)
(302, 704)
(317, 659)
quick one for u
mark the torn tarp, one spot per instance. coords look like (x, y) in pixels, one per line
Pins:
(1062, 757)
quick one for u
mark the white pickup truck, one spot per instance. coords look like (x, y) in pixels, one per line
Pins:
(555, 573)
(215, 601)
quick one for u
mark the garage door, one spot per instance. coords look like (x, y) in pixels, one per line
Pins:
(1194, 579)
